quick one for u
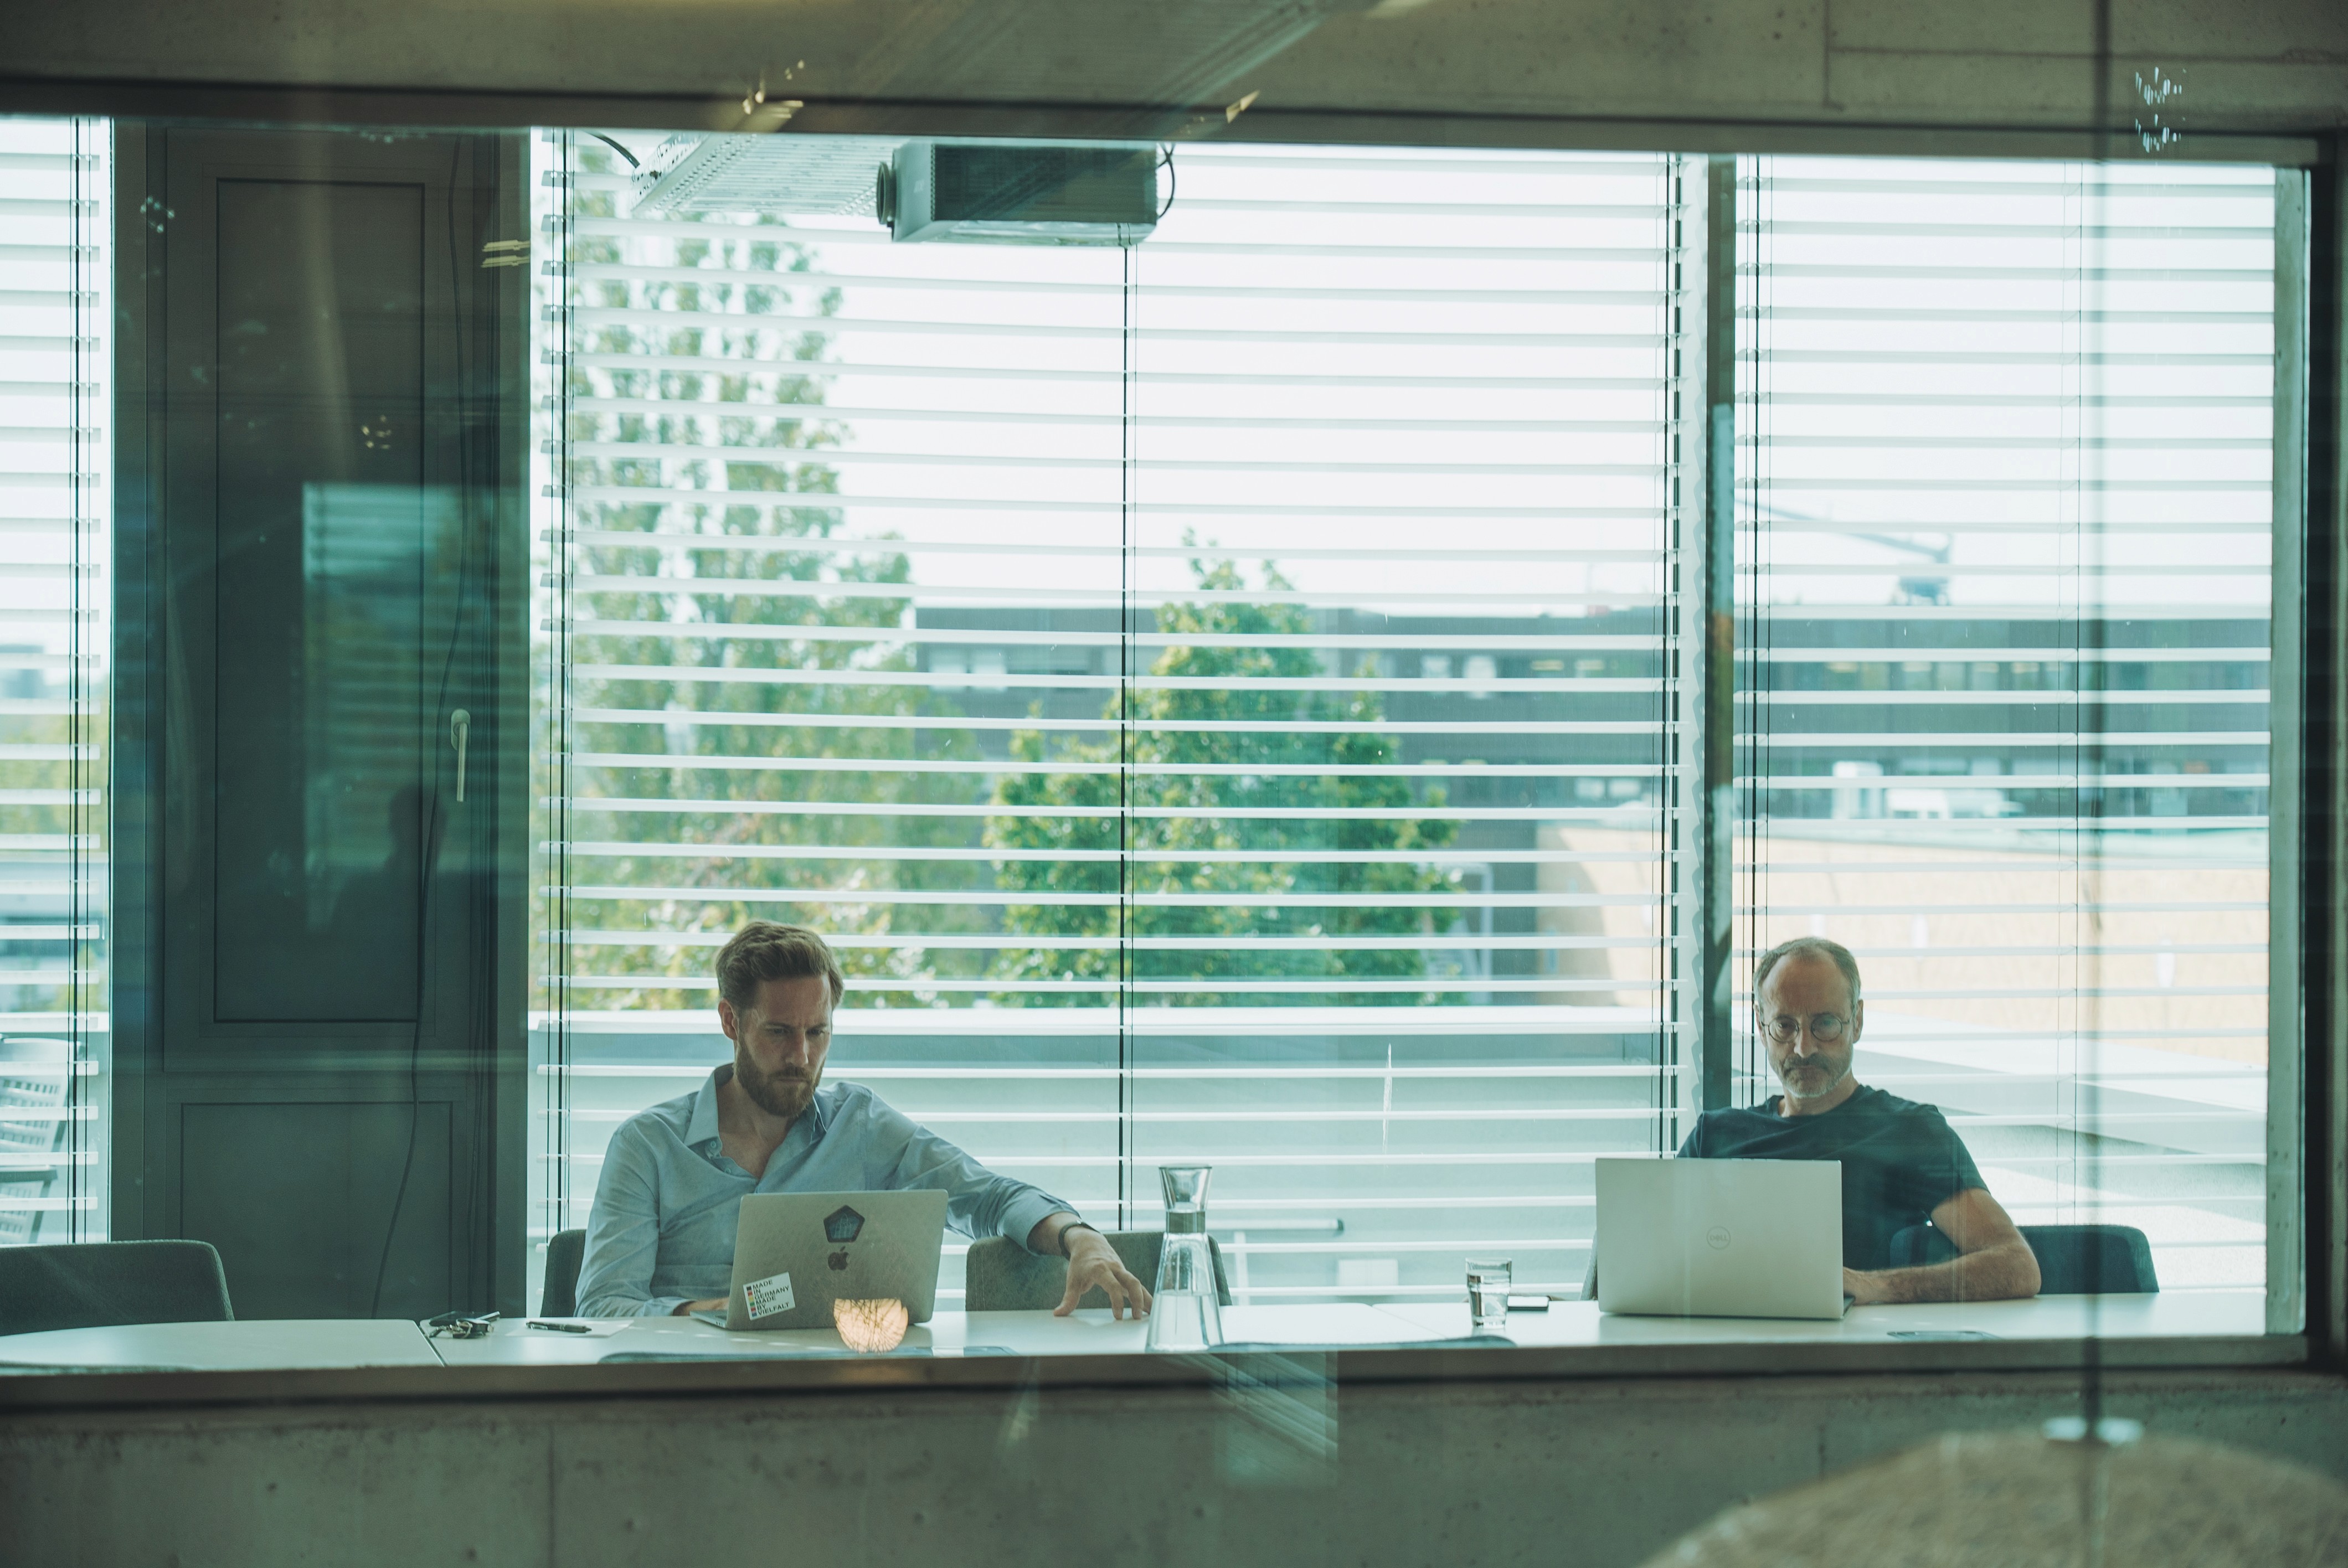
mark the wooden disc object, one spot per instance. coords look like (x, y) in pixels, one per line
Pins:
(2019, 1500)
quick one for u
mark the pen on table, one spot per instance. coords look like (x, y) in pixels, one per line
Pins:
(562, 1327)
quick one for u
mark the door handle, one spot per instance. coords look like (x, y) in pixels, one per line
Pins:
(460, 729)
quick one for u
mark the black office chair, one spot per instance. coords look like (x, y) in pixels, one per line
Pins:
(1001, 1276)
(560, 1297)
(98, 1285)
(2073, 1260)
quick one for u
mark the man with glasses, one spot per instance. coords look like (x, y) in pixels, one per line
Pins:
(1902, 1163)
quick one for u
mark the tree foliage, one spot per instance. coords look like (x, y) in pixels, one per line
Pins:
(1202, 759)
(723, 690)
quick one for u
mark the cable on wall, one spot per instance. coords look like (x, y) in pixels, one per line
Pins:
(434, 826)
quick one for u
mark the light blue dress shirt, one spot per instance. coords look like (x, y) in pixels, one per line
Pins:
(662, 1230)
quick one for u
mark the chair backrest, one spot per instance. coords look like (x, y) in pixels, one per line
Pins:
(560, 1296)
(2073, 1260)
(2092, 1260)
(1001, 1276)
(95, 1285)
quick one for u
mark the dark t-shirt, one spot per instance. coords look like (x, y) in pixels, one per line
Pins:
(1900, 1160)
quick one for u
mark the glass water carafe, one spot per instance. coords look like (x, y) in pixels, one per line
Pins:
(1185, 1310)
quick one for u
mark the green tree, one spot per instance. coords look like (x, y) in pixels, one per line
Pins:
(1189, 777)
(723, 692)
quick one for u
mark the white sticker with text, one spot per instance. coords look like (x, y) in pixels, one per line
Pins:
(768, 1296)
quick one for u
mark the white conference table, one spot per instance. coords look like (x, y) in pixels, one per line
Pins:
(1091, 1332)
(259, 1345)
(253, 1345)
(2166, 1315)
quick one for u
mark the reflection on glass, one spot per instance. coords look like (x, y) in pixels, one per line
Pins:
(325, 503)
(1279, 1420)
(362, 576)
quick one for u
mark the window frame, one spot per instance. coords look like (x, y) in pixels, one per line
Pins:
(2308, 1174)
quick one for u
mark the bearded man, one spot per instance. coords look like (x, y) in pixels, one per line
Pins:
(660, 1237)
(1903, 1164)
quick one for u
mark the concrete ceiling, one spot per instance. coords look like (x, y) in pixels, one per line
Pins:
(2246, 65)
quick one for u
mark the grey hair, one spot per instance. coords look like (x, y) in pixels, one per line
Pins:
(1806, 947)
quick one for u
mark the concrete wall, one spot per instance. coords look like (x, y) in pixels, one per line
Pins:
(1592, 1473)
(2244, 64)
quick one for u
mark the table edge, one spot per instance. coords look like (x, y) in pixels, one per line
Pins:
(36, 1391)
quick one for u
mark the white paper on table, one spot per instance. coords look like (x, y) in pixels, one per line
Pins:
(1327, 1322)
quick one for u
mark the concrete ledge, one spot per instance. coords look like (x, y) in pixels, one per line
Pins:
(1596, 1471)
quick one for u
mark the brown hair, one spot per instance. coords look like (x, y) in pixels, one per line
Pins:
(763, 951)
(1806, 947)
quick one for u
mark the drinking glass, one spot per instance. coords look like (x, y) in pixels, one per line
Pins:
(1488, 1279)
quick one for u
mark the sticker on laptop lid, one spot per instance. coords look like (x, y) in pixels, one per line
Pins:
(769, 1297)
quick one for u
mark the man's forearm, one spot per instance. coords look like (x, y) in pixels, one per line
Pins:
(1993, 1274)
(609, 1303)
(1045, 1237)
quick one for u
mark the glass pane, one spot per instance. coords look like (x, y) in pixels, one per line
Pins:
(320, 806)
(2006, 547)
(1222, 697)
(56, 475)
(1401, 730)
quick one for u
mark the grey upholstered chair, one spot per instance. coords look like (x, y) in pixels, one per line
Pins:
(96, 1285)
(559, 1297)
(2073, 1260)
(1004, 1276)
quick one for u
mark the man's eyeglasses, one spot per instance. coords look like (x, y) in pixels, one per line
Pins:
(1826, 1027)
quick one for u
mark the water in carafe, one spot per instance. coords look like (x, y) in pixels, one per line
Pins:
(1185, 1310)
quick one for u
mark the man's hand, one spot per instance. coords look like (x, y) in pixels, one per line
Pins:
(687, 1308)
(1092, 1261)
(1864, 1290)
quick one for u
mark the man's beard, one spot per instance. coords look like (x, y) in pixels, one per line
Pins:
(1834, 1069)
(784, 1095)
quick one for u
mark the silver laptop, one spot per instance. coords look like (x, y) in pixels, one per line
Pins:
(1720, 1238)
(795, 1254)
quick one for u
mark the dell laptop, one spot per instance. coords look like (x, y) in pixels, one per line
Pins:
(1720, 1238)
(795, 1254)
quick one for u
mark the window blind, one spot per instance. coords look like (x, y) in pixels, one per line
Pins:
(1216, 696)
(52, 650)
(2005, 578)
